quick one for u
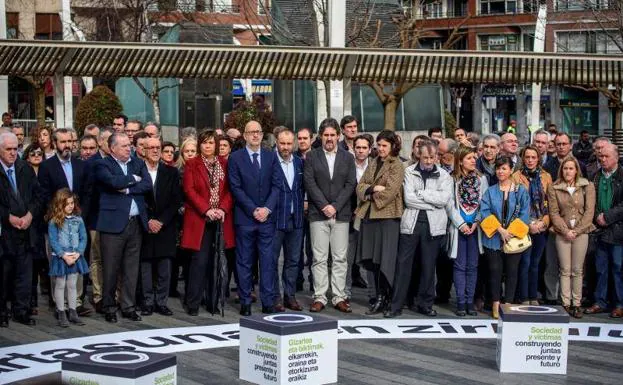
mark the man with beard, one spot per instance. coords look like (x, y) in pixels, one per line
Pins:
(330, 180)
(65, 171)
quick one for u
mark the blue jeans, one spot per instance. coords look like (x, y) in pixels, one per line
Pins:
(529, 267)
(290, 240)
(466, 269)
(609, 259)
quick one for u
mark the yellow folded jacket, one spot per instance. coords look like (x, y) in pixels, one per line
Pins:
(490, 225)
(518, 228)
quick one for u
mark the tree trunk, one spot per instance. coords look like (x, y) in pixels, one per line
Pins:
(390, 108)
(155, 99)
(40, 104)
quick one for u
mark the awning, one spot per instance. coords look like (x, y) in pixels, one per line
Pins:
(97, 59)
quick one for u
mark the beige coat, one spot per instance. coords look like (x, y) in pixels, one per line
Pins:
(580, 206)
(386, 204)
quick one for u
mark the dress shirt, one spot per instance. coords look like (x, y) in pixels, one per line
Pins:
(69, 172)
(288, 170)
(259, 155)
(609, 174)
(360, 169)
(124, 167)
(330, 160)
(12, 178)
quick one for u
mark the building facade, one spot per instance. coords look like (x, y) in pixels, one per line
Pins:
(509, 25)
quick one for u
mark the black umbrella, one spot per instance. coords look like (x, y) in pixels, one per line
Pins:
(219, 271)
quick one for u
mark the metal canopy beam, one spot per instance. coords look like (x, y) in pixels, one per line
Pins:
(45, 58)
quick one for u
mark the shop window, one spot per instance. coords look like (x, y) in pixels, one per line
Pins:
(12, 25)
(580, 5)
(499, 42)
(589, 42)
(48, 26)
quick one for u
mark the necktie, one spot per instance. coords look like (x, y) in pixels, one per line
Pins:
(12, 179)
(256, 162)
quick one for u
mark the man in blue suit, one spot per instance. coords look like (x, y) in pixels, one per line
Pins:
(254, 183)
(289, 233)
(123, 182)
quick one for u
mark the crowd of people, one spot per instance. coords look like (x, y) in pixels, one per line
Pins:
(126, 212)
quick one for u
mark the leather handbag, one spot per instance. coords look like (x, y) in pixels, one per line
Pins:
(517, 245)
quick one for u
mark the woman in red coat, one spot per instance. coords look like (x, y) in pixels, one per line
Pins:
(208, 201)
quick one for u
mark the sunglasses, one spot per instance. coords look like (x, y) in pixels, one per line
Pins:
(36, 153)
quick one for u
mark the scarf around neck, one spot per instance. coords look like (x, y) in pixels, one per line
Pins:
(469, 192)
(538, 203)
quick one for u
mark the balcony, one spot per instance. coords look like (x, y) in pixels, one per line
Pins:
(191, 6)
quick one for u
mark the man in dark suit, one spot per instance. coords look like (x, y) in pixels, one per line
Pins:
(289, 234)
(254, 183)
(123, 182)
(330, 180)
(65, 171)
(159, 245)
(20, 201)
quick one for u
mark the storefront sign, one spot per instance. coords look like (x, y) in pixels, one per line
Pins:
(288, 349)
(492, 90)
(497, 40)
(31, 360)
(532, 339)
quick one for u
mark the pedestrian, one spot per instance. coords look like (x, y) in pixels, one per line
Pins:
(465, 238)
(68, 241)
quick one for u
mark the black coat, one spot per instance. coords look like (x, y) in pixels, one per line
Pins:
(163, 204)
(29, 199)
(52, 178)
(613, 232)
(323, 190)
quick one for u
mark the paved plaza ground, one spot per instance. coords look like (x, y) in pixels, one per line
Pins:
(377, 361)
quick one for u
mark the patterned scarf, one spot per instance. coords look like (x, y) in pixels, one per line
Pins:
(216, 175)
(469, 192)
(538, 201)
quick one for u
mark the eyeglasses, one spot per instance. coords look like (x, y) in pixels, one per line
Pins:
(36, 153)
(168, 152)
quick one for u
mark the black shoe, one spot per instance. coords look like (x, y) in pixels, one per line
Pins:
(470, 310)
(131, 315)
(111, 317)
(147, 310)
(359, 282)
(84, 311)
(460, 313)
(163, 310)
(378, 306)
(392, 313)
(268, 309)
(193, 312)
(245, 310)
(25, 319)
(4, 321)
(430, 312)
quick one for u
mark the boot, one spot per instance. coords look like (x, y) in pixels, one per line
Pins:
(378, 306)
(73, 317)
(62, 319)
(470, 310)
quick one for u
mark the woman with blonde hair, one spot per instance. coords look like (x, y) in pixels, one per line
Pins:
(572, 206)
(464, 237)
(188, 150)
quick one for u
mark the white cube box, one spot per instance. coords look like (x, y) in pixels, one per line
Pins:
(532, 339)
(288, 348)
(120, 367)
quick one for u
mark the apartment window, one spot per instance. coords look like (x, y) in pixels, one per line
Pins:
(580, 5)
(48, 26)
(263, 7)
(587, 42)
(12, 25)
(433, 10)
(499, 42)
(492, 7)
